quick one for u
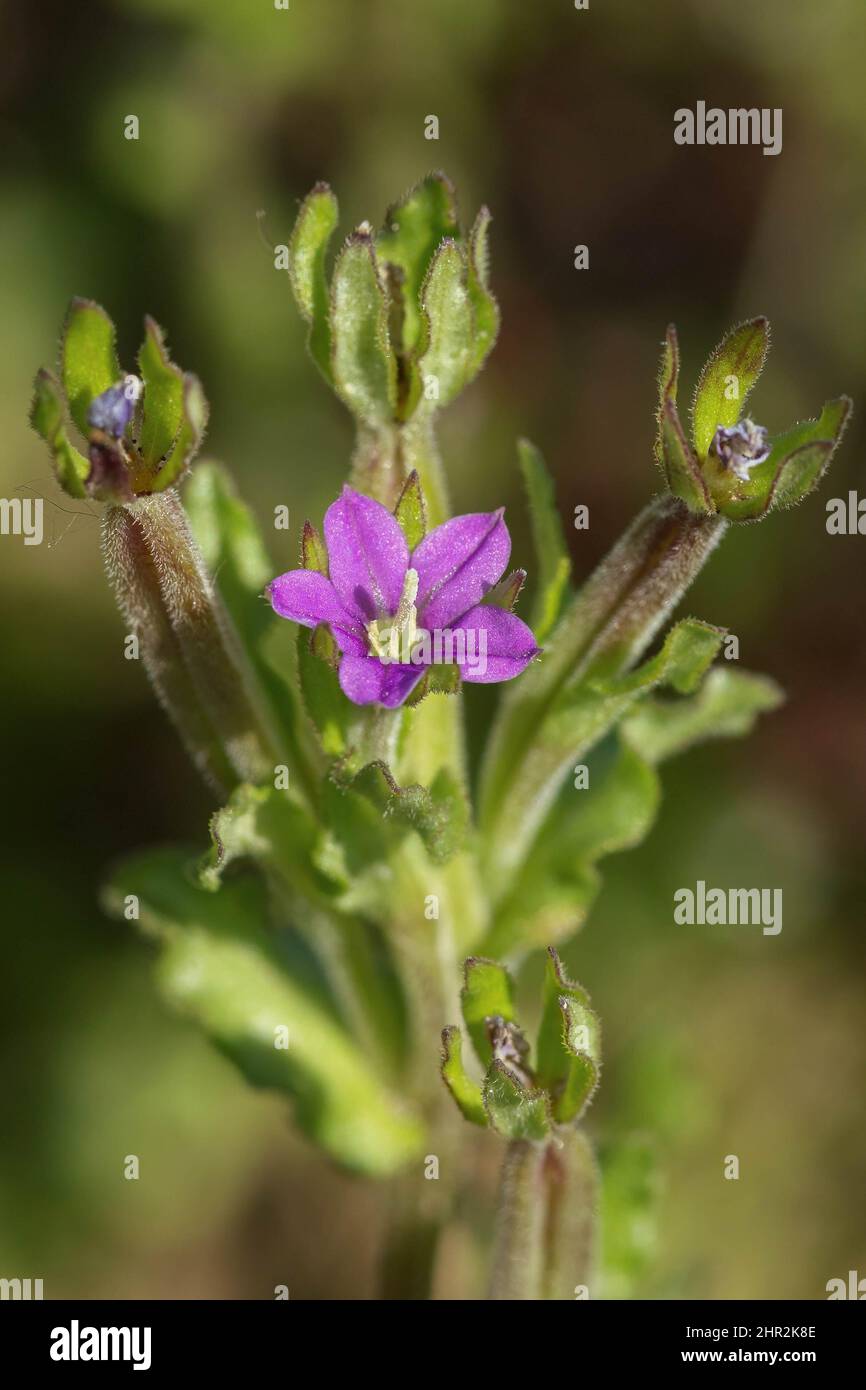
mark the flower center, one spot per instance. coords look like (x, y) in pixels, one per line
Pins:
(395, 639)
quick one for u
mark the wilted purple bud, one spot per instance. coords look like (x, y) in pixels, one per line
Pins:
(112, 411)
(509, 1046)
(741, 448)
(108, 479)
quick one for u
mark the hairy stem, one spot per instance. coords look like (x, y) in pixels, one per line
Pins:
(608, 626)
(384, 458)
(546, 1216)
(189, 647)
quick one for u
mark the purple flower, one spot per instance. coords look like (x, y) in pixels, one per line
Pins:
(112, 411)
(393, 614)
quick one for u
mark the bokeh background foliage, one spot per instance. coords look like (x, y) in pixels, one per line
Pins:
(717, 1041)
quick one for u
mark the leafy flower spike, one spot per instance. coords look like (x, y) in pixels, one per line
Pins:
(730, 467)
(141, 432)
(395, 611)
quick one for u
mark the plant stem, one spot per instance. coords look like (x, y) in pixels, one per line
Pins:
(517, 1250)
(186, 640)
(545, 1220)
(384, 458)
(608, 626)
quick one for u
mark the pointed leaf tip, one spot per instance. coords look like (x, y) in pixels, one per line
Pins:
(797, 461)
(552, 557)
(801, 469)
(684, 477)
(195, 412)
(727, 377)
(487, 993)
(47, 419)
(553, 1059)
(465, 1092)
(411, 511)
(414, 228)
(314, 555)
(308, 247)
(486, 315)
(668, 379)
(515, 1111)
(362, 361)
(447, 330)
(162, 404)
(88, 358)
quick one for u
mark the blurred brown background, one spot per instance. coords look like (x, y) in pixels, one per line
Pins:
(717, 1041)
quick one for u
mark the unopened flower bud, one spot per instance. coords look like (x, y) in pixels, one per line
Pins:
(112, 411)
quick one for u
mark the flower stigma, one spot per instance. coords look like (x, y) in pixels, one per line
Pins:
(395, 640)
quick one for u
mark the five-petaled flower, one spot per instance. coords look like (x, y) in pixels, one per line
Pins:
(388, 610)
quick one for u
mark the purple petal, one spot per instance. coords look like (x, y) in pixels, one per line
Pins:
(457, 564)
(498, 644)
(307, 597)
(367, 681)
(368, 556)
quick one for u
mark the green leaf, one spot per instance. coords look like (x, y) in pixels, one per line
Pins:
(439, 814)
(308, 247)
(364, 367)
(194, 418)
(270, 827)
(466, 1092)
(88, 358)
(582, 1040)
(446, 344)
(234, 552)
(553, 1059)
(487, 993)
(804, 452)
(224, 965)
(615, 813)
(506, 593)
(515, 1111)
(681, 469)
(326, 705)
(669, 372)
(486, 316)
(163, 400)
(327, 877)
(551, 552)
(228, 536)
(687, 651)
(733, 366)
(726, 706)
(46, 417)
(575, 721)
(559, 882)
(583, 713)
(605, 627)
(440, 679)
(542, 909)
(797, 461)
(414, 228)
(314, 554)
(411, 512)
(354, 842)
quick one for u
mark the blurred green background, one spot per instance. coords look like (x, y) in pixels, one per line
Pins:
(717, 1040)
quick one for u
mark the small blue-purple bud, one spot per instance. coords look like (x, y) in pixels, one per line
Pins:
(112, 411)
